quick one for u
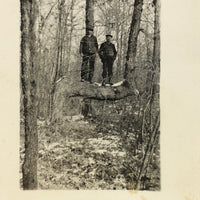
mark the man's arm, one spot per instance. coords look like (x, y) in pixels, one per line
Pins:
(115, 52)
(101, 51)
(81, 46)
(96, 44)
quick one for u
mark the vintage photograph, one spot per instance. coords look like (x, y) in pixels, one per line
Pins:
(90, 95)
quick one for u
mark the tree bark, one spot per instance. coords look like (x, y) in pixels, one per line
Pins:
(89, 20)
(71, 30)
(156, 50)
(133, 37)
(28, 81)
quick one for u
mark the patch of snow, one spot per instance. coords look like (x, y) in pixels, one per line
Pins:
(118, 84)
(98, 84)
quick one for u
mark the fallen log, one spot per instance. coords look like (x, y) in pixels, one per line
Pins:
(92, 91)
(70, 95)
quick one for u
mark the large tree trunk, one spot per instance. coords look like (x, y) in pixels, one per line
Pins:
(28, 81)
(89, 20)
(132, 41)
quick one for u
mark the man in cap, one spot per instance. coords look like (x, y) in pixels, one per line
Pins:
(88, 50)
(107, 53)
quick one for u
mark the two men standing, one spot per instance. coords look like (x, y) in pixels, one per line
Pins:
(88, 50)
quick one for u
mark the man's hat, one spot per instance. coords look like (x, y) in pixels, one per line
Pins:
(109, 35)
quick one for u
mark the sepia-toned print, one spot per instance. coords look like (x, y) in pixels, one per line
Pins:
(90, 95)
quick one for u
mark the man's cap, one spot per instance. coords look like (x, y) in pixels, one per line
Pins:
(109, 35)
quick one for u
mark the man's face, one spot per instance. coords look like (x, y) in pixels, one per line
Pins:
(89, 32)
(108, 38)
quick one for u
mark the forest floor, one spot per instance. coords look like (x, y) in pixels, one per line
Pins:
(76, 154)
(81, 158)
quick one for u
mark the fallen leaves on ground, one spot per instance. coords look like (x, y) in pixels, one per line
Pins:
(80, 158)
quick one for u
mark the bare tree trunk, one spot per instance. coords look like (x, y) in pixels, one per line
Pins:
(65, 43)
(133, 36)
(59, 35)
(62, 37)
(28, 81)
(71, 30)
(89, 21)
(156, 53)
(57, 74)
(120, 55)
(58, 70)
(148, 49)
(156, 50)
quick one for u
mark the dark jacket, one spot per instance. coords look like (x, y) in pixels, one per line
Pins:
(107, 50)
(88, 45)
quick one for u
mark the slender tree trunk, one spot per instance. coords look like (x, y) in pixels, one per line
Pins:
(58, 55)
(62, 37)
(119, 50)
(133, 37)
(120, 55)
(28, 81)
(61, 56)
(156, 54)
(71, 30)
(89, 21)
(59, 41)
(65, 43)
(148, 49)
(56, 74)
(156, 50)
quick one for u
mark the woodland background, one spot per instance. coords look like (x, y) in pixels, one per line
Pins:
(51, 62)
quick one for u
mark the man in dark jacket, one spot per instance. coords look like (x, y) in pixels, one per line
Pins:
(88, 50)
(107, 53)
